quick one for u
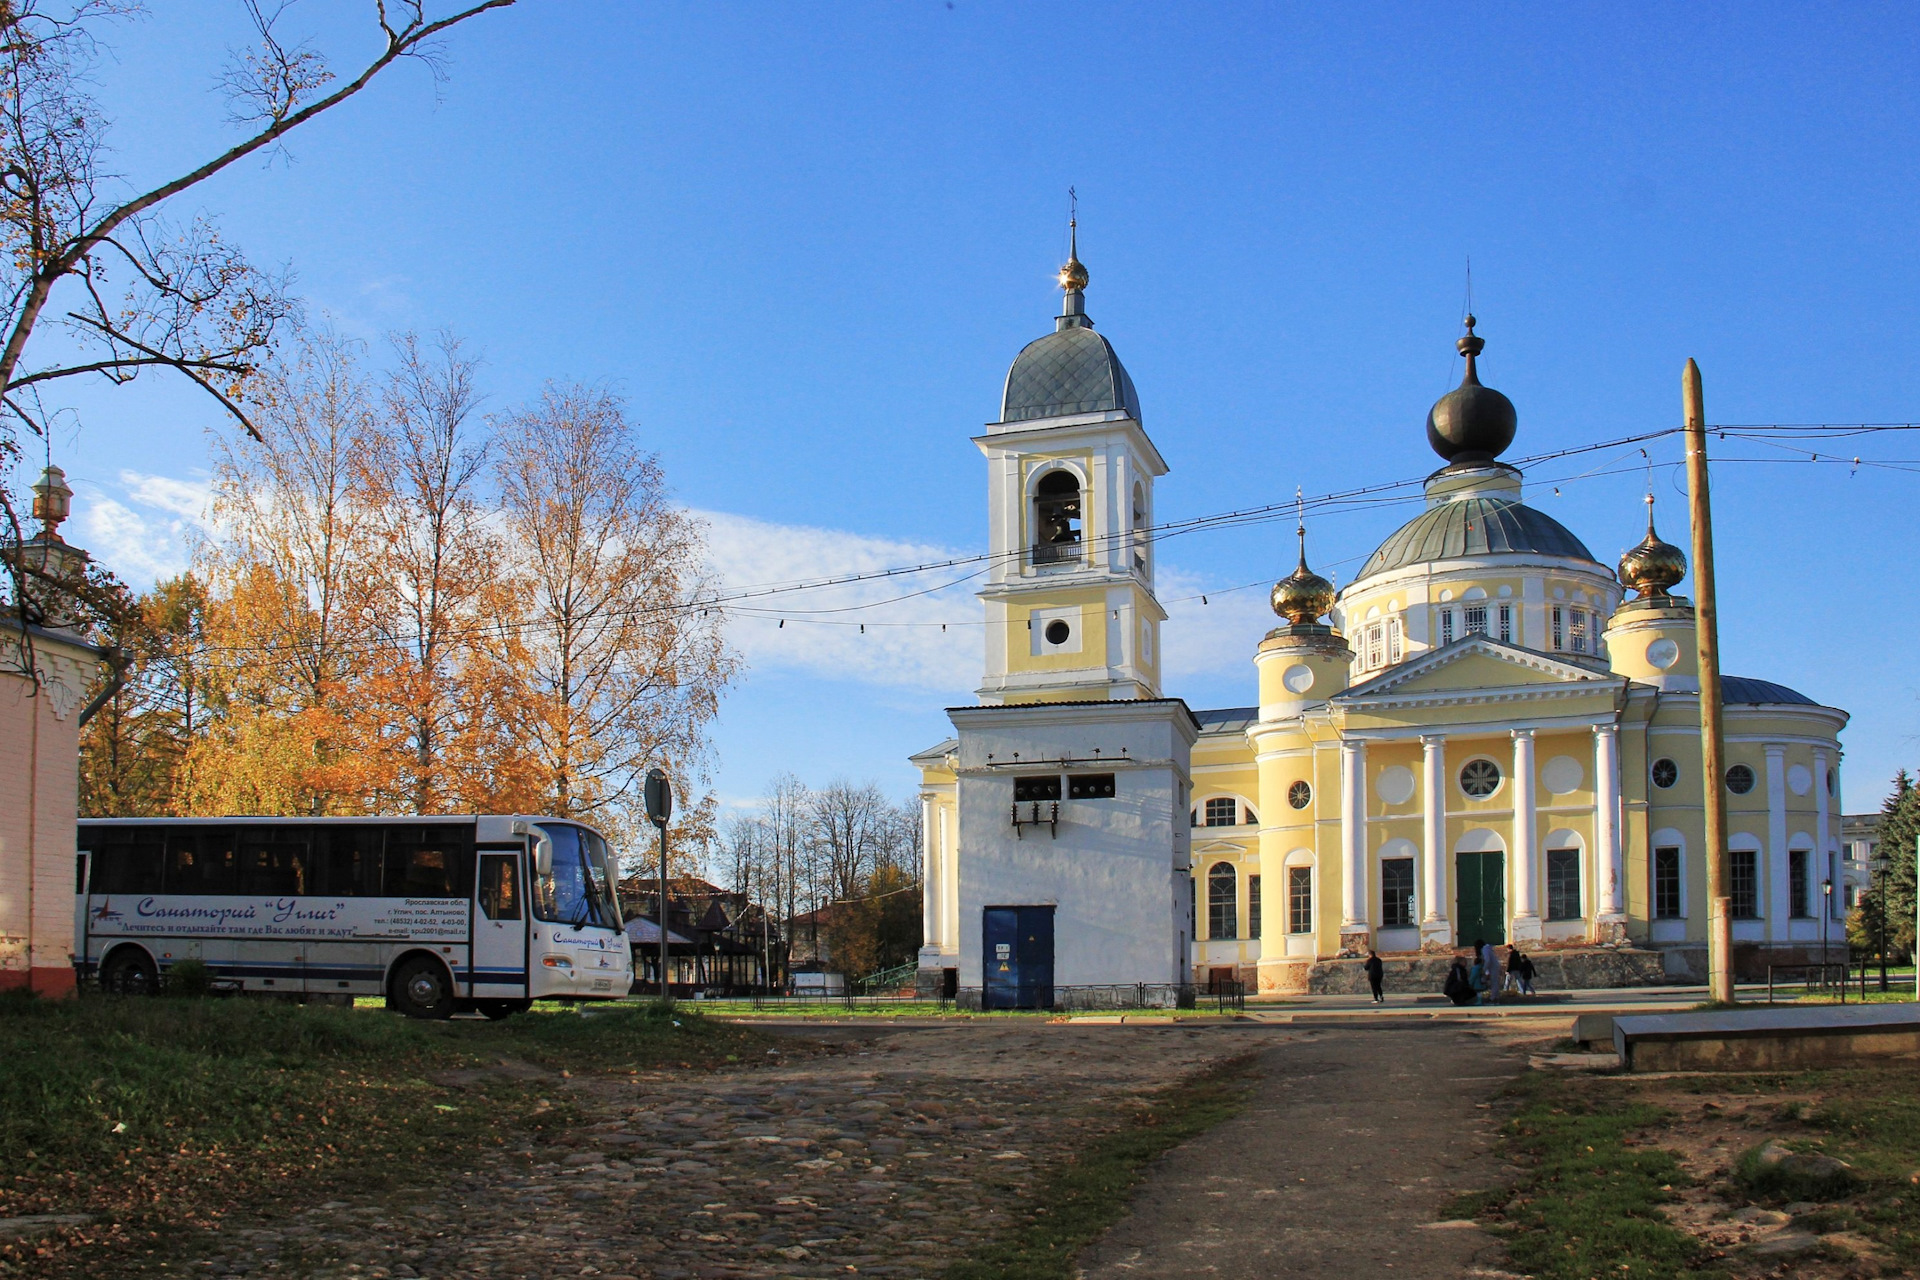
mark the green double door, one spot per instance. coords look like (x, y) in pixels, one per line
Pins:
(1481, 910)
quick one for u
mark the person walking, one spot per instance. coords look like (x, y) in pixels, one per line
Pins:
(1490, 968)
(1514, 957)
(1376, 974)
(1522, 964)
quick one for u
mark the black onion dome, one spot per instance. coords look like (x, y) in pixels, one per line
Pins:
(1471, 423)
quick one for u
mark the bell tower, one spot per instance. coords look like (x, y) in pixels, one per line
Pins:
(1071, 613)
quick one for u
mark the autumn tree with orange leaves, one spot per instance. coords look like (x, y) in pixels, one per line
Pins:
(403, 608)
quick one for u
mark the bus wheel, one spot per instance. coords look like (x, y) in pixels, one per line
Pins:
(420, 989)
(498, 1009)
(130, 972)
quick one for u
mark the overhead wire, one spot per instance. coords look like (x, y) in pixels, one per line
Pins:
(1361, 497)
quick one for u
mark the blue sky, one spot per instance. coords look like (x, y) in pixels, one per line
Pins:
(805, 242)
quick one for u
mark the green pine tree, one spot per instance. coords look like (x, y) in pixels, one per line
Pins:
(1894, 887)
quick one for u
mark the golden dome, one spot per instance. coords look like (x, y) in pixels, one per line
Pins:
(1303, 596)
(1073, 272)
(1653, 566)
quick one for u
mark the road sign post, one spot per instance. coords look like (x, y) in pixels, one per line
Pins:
(659, 797)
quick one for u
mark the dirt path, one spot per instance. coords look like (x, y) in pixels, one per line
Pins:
(1358, 1136)
(892, 1155)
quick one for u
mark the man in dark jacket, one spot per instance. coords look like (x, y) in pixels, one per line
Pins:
(1459, 986)
(1376, 973)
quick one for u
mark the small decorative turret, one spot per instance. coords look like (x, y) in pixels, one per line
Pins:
(1471, 423)
(1653, 567)
(1303, 596)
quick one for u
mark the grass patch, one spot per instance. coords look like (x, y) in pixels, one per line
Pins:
(1080, 1200)
(162, 1113)
(1588, 1204)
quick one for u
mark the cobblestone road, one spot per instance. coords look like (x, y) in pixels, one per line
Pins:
(888, 1157)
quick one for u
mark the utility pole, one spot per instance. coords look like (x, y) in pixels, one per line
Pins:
(1713, 743)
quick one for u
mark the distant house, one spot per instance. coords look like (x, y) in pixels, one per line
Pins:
(717, 940)
(1859, 846)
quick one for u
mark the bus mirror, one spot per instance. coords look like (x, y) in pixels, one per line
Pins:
(542, 855)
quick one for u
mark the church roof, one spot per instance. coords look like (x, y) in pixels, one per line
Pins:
(1747, 689)
(1487, 524)
(1071, 370)
(1226, 719)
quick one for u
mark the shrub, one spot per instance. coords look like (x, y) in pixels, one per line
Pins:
(189, 978)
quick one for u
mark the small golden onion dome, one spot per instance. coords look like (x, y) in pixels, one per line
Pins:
(1073, 272)
(1303, 596)
(1652, 567)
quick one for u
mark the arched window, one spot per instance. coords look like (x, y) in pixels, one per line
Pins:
(1056, 518)
(1222, 811)
(1139, 527)
(1223, 908)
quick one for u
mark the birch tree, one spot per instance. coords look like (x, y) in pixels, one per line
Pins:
(607, 664)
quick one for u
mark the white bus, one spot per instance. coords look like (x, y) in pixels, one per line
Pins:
(438, 915)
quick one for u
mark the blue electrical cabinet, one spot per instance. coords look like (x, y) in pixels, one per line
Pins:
(1018, 958)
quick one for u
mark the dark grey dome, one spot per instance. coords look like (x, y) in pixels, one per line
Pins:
(1476, 526)
(1471, 423)
(1745, 689)
(1071, 370)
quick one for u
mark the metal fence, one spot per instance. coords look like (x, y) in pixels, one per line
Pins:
(1218, 997)
(1813, 979)
(1215, 997)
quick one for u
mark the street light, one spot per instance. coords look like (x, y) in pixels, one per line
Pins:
(1879, 868)
(1826, 914)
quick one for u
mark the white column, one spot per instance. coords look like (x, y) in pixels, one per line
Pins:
(930, 916)
(1526, 891)
(1354, 929)
(1436, 932)
(1774, 905)
(950, 881)
(1606, 834)
(1823, 862)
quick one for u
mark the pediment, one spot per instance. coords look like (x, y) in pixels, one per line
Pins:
(1473, 664)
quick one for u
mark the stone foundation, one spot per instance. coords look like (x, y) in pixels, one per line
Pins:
(1569, 969)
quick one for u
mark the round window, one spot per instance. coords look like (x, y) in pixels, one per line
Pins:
(1665, 773)
(1739, 779)
(1057, 632)
(1480, 778)
(1833, 782)
(1300, 795)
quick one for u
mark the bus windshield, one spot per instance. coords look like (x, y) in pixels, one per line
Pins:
(576, 892)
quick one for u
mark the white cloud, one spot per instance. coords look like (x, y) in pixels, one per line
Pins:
(190, 498)
(143, 528)
(903, 645)
(150, 535)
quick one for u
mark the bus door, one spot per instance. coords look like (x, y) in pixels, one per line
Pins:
(498, 956)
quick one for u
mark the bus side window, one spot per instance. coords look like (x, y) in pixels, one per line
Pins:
(127, 861)
(500, 886)
(347, 865)
(273, 860)
(200, 860)
(428, 861)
